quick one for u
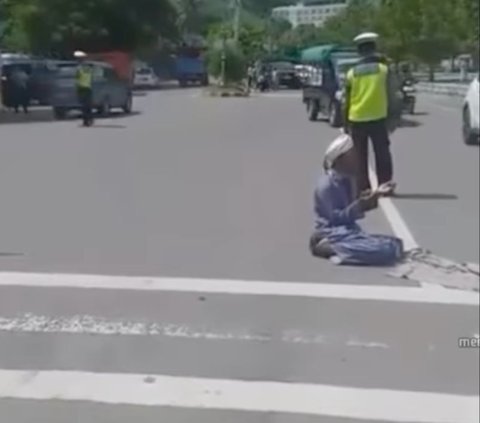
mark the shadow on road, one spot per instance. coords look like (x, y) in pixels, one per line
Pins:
(409, 123)
(419, 196)
(46, 115)
(34, 116)
(421, 113)
(7, 255)
(100, 126)
(143, 91)
(120, 115)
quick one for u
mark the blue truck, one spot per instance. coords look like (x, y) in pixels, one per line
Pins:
(191, 68)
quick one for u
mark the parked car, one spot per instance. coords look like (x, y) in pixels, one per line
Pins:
(145, 78)
(109, 90)
(470, 115)
(286, 74)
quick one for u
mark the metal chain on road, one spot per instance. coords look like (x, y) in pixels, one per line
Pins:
(422, 266)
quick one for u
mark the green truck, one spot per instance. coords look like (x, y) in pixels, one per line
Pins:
(323, 91)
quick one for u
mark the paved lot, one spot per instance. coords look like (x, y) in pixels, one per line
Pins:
(218, 192)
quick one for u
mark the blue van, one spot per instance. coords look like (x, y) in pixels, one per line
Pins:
(109, 91)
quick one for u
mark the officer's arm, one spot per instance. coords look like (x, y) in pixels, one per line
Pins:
(348, 89)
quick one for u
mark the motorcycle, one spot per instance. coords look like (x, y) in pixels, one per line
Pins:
(409, 97)
(262, 83)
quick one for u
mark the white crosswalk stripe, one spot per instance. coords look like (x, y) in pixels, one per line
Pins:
(239, 395)
(53, 311)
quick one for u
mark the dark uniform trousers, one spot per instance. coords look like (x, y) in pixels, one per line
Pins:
(85, 97)
(377, 132)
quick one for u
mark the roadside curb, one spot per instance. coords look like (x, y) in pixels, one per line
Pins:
(452, 90)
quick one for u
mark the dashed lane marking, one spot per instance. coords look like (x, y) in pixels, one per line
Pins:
(94, 325)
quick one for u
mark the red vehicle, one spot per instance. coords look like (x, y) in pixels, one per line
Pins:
(121, 62)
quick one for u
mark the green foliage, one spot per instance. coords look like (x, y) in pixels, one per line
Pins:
(422, 30)
(92, 25)
(235, 64)
(251, 42)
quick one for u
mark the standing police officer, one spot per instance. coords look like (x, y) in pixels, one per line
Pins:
(369, 93)
(84, 82)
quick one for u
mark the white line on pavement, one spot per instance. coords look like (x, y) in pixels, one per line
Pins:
(218, 286)
(397, 223)
(93, 325)
(218, 394)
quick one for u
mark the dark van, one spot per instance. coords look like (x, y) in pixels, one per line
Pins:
(109, 91)
(39, 72)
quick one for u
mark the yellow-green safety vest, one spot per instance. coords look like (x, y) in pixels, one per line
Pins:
(84, 77)
(368, 86)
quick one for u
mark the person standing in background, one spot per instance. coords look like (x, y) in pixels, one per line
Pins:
(84, 84)
(369, 94)
(20, 86)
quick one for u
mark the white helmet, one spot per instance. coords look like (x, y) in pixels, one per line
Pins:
(366, 37)
(79, 54)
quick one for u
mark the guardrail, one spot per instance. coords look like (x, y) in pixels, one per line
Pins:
(454, 90)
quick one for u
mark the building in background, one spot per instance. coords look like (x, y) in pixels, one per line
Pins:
(309, 13)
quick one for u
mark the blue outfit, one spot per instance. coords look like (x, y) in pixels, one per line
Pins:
(336, 215)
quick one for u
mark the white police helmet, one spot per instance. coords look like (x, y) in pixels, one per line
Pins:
(79, 54)
(366, 37)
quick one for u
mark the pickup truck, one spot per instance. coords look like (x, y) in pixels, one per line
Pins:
(323, 90)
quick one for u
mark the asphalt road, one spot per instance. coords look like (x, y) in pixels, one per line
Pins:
(218, 192)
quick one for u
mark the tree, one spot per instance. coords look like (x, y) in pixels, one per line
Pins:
(189, 16)
(226, 60)
(399, 24)
(252, 38)
(436, 40)
(468, 27)
(92, 25)
(359, 16)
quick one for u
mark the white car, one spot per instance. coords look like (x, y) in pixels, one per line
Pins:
(145, 78)
(471, 112)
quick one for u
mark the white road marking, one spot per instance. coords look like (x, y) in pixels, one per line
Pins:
(395, 219)
(94, 325)
(239, 287)
(218, 394)
(362, 344)
(399, 226)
